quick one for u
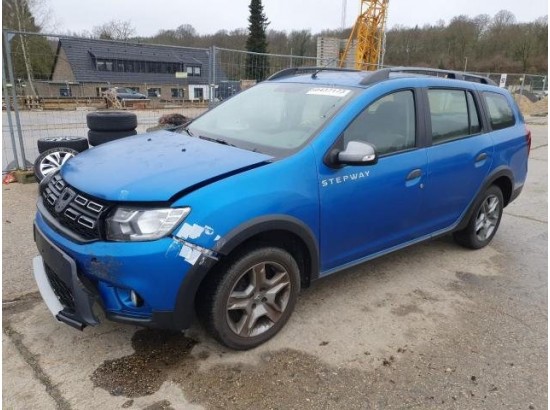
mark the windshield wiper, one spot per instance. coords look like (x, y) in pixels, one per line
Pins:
(218, 140)
(186, 129)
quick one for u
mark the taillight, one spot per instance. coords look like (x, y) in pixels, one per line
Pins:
(528, 136)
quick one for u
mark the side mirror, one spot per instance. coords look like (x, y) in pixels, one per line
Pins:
(357, 153)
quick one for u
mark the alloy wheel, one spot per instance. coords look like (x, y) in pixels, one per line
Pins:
(487, 218)
(258, 299)
(52, 162)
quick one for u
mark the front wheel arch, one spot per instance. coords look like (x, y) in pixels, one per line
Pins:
(268, 230)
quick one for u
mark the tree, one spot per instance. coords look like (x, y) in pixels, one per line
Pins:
(32, 56)
(257, 65)
(114, 30)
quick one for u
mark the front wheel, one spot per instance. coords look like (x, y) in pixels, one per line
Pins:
(253, 300)
(484, 222)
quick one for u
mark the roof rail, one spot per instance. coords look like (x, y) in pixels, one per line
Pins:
(287, 72)
(384, 74)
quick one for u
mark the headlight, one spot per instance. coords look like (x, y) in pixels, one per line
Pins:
(132, 224)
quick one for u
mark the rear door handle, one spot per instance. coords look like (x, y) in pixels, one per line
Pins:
(481, 157)
(415, 173)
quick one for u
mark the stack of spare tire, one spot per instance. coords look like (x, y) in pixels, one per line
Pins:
(106, 126)
(54, 152)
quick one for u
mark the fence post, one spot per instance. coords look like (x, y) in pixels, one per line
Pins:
(212, 76)
(8, 113)
(7, 38)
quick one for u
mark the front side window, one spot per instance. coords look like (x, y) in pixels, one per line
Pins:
(453, 115)
(273, 118)
(389, 124)
(500, 112)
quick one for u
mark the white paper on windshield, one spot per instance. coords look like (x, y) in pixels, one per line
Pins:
(331, 92)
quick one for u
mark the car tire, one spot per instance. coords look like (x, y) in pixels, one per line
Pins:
(484, 222)
(264, 283)
(111, 121)
(77, 143)
(101, 137)
(51, 160)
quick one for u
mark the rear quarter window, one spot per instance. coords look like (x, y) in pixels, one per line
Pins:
(500, 112)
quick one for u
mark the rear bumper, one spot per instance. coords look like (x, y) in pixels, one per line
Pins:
(515, 193)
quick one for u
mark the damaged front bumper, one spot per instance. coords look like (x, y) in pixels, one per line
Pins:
(75, 278)
(65, 294)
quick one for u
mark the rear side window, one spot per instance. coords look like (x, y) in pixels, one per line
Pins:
(500, 112)
(453, 115)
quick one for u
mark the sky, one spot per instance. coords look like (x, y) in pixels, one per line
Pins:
(209, 16)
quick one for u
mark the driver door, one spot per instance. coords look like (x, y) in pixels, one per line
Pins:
(368, 209)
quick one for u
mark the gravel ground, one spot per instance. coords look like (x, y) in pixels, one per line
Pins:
(433, 326)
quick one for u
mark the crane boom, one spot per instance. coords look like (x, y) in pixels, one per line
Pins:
(368, 33)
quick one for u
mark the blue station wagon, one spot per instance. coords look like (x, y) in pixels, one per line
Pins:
(310, 172)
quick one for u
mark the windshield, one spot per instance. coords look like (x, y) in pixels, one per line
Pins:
(272, 118)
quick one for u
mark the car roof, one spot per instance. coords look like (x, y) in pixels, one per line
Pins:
(363, 79)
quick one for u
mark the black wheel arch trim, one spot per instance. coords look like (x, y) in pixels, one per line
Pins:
(185, 301)
(489, 180)
(273, 223)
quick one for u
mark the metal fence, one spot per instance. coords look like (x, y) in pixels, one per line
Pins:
(51, 82)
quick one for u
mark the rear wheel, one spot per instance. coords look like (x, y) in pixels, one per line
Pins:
(253, 300)
(484, 222)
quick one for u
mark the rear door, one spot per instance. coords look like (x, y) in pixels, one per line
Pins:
(459, 157)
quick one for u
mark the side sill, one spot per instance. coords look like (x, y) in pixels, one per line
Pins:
(389, 250)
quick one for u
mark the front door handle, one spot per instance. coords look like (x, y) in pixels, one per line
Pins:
(415, 173)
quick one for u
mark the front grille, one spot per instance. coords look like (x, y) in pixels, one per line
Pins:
(61, 290)
(73, 209)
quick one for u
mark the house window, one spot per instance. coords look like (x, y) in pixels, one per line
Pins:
(65, 91)
(198, 93)
(100, 65)
(153, 92)
(178, 93)
(193, 71)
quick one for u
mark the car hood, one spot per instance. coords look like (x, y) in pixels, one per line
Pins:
(155, 166)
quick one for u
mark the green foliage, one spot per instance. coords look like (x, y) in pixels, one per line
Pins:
(17, 16)
(481, 43)
(257, 66)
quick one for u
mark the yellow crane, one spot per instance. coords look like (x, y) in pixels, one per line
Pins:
(368, 33)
